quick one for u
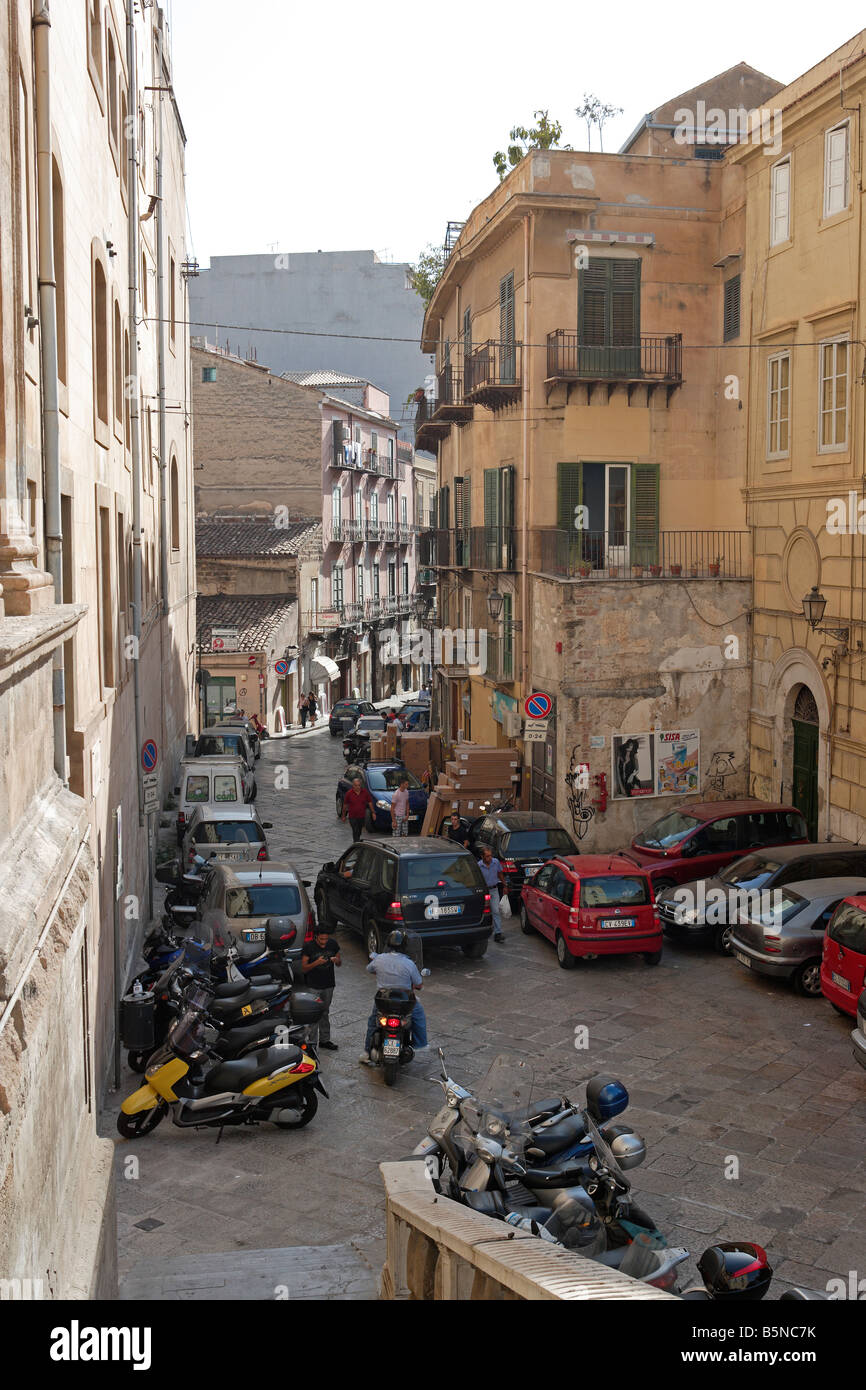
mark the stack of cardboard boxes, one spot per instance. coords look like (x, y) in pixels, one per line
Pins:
(476, 779)
(421, 753)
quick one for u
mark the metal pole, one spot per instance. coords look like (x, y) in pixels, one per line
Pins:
(160, 339)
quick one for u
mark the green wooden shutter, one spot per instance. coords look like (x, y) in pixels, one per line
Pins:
(569, 494)
(592, 302)
(507, 356)
(337, 426)
(506, 515)
(492, 501)
(608, 309)
(467, 333)
(645, 513)
(625, 303)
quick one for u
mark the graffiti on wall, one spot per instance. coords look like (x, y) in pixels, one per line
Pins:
(720, 771)
(577, 782)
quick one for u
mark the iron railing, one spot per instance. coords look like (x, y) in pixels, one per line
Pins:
(478, 547)
(373, 530)
(651, 358)
(353, 530)
(492, 371)
(404, 534)
(640, 554)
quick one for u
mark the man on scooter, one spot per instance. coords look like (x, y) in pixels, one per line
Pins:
(394, 970)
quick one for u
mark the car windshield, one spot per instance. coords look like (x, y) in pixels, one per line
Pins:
(750, 872)
(368, 722)
(548, 839)
(215, 745)
(389, 779)
(263, 900)
(430, 871)
(848, 927)
(226, 832)
(614, 890)
(668, 830)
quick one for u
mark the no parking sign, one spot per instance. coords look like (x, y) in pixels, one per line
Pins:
(537, 705)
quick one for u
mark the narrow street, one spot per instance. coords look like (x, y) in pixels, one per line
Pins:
(719, 1067)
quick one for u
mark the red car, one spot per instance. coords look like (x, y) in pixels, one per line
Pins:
(699, 838)
(592, 905)
(843, 964)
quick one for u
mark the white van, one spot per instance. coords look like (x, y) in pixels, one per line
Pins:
(220, 781)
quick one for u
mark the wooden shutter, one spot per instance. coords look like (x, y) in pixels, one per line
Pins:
(467, 333)
(624, 303)
(491, 498)
(731, 314)
(458, 503)
(645, 513)
(592, 302)
(338, 440)
(507, 356)
(609, 316)
(569, 494)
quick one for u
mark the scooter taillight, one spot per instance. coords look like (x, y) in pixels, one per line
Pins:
(303, 1068)
(393, 1023)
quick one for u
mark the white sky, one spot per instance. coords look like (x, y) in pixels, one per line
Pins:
(346, 125)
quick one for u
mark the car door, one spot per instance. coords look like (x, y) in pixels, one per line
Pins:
(360, 885)
(716, 844)
(541, 905)
(561, 897)
(340, 887)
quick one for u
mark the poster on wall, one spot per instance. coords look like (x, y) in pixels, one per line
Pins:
(633, 765)
(678, 762)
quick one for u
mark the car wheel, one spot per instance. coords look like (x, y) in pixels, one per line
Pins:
(722, 940)
(807, 979)
(563, 955)
(652, 957)
(475, 949)
(525, 925)
(339, 806)
(373, 938)
(255, 791)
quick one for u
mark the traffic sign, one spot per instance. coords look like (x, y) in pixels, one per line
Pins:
(149, 755)
(537, 705)
(151, 793)
(534, 733)
(281, 667)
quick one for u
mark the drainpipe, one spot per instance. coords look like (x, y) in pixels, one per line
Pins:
(524, 504)
(130, 135)
(160, 340)
(48, 350)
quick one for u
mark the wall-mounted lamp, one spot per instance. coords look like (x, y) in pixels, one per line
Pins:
(814, 608)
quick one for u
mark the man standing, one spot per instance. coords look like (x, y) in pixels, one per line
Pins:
(317, 962)
(400, 809)
(355, 803)
(491, 872)
(457, 830)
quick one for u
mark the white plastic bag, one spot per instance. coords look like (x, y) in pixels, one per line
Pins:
(504, 906)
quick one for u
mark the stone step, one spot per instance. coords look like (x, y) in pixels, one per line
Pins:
(290, 1273)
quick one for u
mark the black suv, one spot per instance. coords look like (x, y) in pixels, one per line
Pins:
(522, 841)
(350, 711)
(700, 914)
(430, 886)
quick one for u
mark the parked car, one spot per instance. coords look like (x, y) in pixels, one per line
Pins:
(522, 841)
(224, 835)
(356, 745)
(217, 740)
(843, 964)
(233, 720)
(429, 886)
(348, 709)
(415, 717)
(382, 780)
(718, 902)
(592, 905)
(242, 898)
(698, 839)
(858, 1037)
(786, 942)
(220, 781)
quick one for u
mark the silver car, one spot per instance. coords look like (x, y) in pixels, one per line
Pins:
(243, 898)
(858, 1036)
(225, 834)
(785, 939)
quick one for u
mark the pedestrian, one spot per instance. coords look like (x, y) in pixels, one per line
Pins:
(303, 710)
(400, 808)
(312, 706)
(491, 872)
(317, 962)
(397, 721)
(355, 803)
(458, 830)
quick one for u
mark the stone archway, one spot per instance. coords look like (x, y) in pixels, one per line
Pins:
(797, 689)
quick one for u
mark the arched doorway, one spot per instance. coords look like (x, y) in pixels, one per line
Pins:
(805, 725)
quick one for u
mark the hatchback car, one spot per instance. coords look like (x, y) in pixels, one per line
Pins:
(228, 743)
(348, 710)
(843, 964)
(382, 779)
(522, 841)
(706, 910)
(415, 717)
(225, 835)
(698, 839)
(243, 898)
(592, 905)
(786, 939)
(230, 721)
(428, 886)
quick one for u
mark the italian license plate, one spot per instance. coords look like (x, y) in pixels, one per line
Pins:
(617, 922)
(840, 981)
(450, 910)
(744, 960)
(530, 869)
(413, 817)
(391, 1047)
(257, 935)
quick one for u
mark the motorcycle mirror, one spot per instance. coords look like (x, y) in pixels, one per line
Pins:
(307, 882)
(267, 825)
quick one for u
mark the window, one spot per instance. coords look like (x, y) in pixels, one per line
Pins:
(709, 151)
(616, 890)
(94, 46)
(405, 577)
(105, 602)
(731, 309)
(608, 313)
(390, 506)
(359, 583)
(314, 598)
(25, 190)
(124, 147)
(374, 445)
(122, 591)
(780, 202)
(719, 837)
(336, 508)
(175, 507)
(376, 577)
(100, 343)
(467, 333)
(392, 579)
(499, 517)
(836, 170)
(209, 374)
(833, 385)
(337, 586)
(59, 230)
(127, 412)
(778, 405)
(507, 638)
(118, 366)
(111, 71)
(144, 287)
(404, 512)
(172, 298)
(374, 506)
(359, 504)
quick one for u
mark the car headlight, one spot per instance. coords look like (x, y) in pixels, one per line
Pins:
(384, 805)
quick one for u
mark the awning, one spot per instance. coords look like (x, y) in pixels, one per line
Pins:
(324, 666)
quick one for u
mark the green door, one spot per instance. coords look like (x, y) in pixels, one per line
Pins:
(806, 773)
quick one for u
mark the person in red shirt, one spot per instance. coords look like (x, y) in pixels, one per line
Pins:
(355, 804)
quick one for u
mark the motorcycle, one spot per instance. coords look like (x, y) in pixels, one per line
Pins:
(229, 959)
(201, 1090)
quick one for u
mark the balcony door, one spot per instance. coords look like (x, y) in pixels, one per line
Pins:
(608, 318)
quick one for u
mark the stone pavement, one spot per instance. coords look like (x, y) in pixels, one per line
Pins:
(728, 1073)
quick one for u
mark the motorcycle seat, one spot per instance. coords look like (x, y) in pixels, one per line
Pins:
(559, 1136)
(231, 988)
(234, 1076)
(232, 1041)
(539, 1110)
(224, 1008)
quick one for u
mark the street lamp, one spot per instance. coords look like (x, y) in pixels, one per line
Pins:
(494, 605)
(814, 608)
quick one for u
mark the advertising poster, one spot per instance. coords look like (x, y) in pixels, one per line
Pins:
(633, 765)
(678, 762)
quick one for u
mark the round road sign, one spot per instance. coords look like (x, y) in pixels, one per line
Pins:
(281, 667)
(537, 705)
(149, 755)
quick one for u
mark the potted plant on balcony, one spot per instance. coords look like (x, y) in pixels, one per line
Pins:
(694, 569)
(636, 571)
(612, 571)
(715, 567)
(676, 569)
(655, 571)
(584, 569)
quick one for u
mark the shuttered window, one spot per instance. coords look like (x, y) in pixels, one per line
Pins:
(467, 333)
(507, 359)
(836, 170)
(337, 427)
(608, 310)
(731, 310)
(645, 513)
(780, 202)
(499, 517)
(568, 495)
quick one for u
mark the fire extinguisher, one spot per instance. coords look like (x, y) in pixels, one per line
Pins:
(600, 801)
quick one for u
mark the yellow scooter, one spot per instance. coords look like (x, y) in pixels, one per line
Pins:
(278, 1083)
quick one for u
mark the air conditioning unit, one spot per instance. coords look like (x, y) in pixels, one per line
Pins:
(512, 724)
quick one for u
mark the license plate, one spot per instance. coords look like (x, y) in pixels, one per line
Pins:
(744, 960)
(617, 922)
(530, 869)
(258, 935)
(232, 854)
(841, 981)
(450, 911)
(391, 1047)
(413, 817)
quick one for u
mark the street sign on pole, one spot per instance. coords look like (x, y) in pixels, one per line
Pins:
(224, 639)
(537, 705)
(281, 668)
(535, 733)
(151, 792)
(149, 755)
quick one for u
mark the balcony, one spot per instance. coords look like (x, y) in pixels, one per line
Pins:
(595, 555)
(389, 531)
(429, 426)
(500, 659)
(349, 456)
(404, 603)
(373, 530)
(404, 535)
(372, 608)
(354, 612)
(353, 531)
(653, 362)
(479, 547)
(492, 375)
(390, 605)
(338, 530)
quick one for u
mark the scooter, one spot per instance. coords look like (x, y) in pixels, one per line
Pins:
(201, 1090)
(391, 1038)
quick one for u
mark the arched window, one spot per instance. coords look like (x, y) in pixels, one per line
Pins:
(58, 214)
(100, 342)
(175, 507)
(124, 145)
(118, 366)
(127, 413)
(94, 53)
(111, 82)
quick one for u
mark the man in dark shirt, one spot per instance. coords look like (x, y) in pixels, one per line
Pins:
(355, 803)
(317, 962)
(457, 829)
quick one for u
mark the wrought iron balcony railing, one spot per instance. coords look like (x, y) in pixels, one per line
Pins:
(655, 360)
(492, 374)
(594, 555)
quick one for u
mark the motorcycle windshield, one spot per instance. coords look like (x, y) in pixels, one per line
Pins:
(163, 982)
(499, 1108)
(603, 1151)
(575, 1223)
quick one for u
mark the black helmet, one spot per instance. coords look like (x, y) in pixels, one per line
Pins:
(735, 1269)
(398, 941)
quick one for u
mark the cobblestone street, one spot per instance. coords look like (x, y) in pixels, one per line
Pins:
(719, 1064)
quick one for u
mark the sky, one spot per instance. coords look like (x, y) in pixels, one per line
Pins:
(347, 126)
